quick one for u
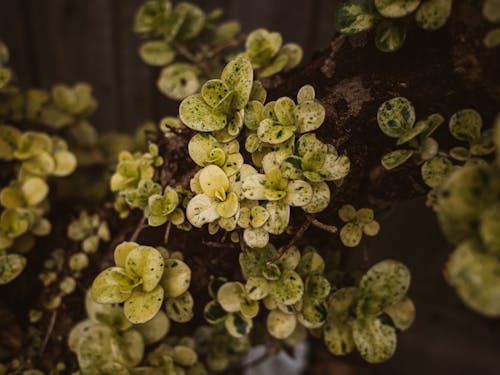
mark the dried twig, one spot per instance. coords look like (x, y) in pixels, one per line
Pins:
(323, 226)
(222, 245)
(142, 224)
(50, 329)
(167, 232)
(303, 228)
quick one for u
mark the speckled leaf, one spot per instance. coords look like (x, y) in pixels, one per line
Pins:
(279, 217)
(402, 314)
(280, 325)
(253, 114)
(390, 36)
(193, 20)
(288, 289)
(475, 275)
(146, 263)
(354, 16)
(396, 8)
(156, 52)
(257, 287)
(375, 341)
(11, 265)
(199, 116)
(351, 234)
(284, 109)
(238, 76)
(122, 251)
(309, 116)
(178, 80)
(294, 54)
(229, 207)
(273, 133)
(396, 158)
(341, 304)
(113, 285)
(299, 193)
(387, 280)
(433, 14)
(338, 338)
(435, 170)
(214, 313)
(395, 116)
(253, 187)
(176, 278)
(320, 199)
(465, 125)
(214, 92)
(237, 325)
(180, 308)
(143, 306)
(256, 237)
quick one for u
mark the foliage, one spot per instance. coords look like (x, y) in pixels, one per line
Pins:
(389, 18)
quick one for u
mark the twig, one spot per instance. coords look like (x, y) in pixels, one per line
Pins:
(50, 329)
(323, 226)
(233, 42)
(222, 245)
(167, 232)
(142, 224)
(305, 225)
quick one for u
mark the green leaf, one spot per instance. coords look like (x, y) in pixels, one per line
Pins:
(465, 125)
(275, 66)
(390, 36)
(11, 265)
(261, 46)
(279, 217)
(375, 341)
(433, 14)
(9, 139)
(238, 75)
(355, 16)
(143, 306)
(396, 158)
(280, 325)
(435, 170)
(178, 80)
(122, 251)
(294, 54)
(341, 304)
(395, 116)
(419, 128)
(284, 109)
(156, 52)
(396, 8)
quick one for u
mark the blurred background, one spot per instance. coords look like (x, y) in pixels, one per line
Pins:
(92, 40)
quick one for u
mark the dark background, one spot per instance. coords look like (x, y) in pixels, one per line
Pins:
(91, 40)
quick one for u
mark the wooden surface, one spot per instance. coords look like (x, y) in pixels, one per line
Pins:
(92, 40)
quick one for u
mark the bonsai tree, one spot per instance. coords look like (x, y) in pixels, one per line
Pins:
(229, 223)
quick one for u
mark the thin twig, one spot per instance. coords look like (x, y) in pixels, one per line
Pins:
(323, 226)
(142, 224)
(305, 225)
(50, 329)
(167, 232)
(233, 42)
(222, 245)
